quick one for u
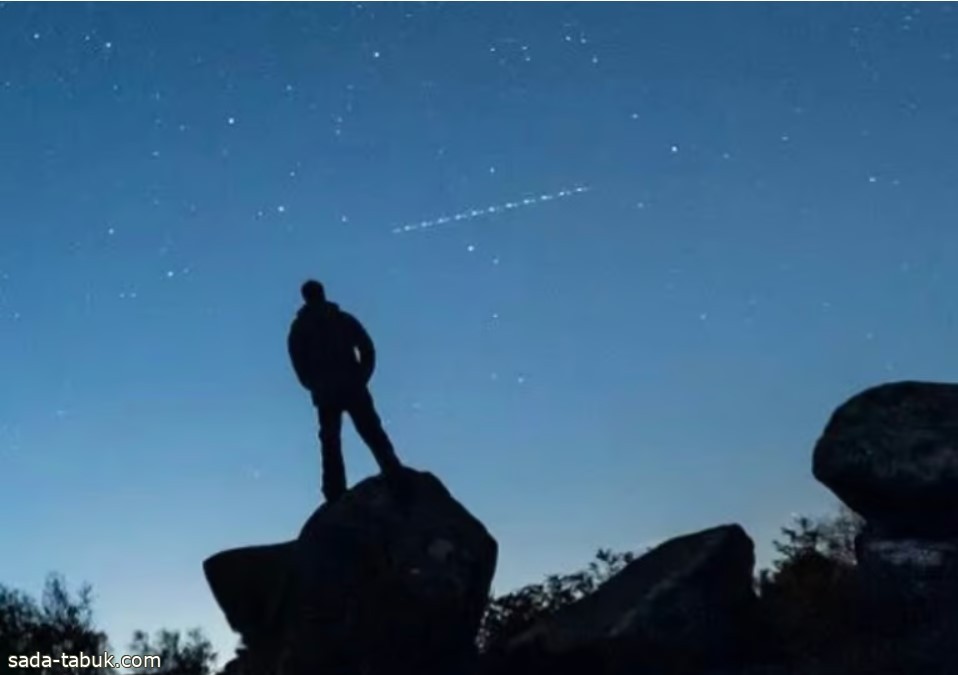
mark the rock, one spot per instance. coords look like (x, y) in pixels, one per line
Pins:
(891, 454)
(690, 599)
(908, 580)
(370, 586)
(251, 585)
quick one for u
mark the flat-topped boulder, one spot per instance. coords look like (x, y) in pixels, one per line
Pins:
(891, 454)
(372, 585)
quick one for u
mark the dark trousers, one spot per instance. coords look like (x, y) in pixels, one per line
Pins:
(359, 405)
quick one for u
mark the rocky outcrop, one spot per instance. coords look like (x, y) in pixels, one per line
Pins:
(689, 600)
(394, 581)
(891, 454)
(252, 586)
(371, 585)
(908, 579)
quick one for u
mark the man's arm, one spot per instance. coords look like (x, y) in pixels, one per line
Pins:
(296, 347)
(364, 344)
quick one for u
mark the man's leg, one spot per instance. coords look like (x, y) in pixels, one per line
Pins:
(330, 440)
(370, 429)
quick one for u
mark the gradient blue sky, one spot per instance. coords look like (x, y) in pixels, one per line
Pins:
(769, 227)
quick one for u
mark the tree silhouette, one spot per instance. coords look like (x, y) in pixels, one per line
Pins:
(809, 595)
(62, 624)
(193, 655)
(59, 625)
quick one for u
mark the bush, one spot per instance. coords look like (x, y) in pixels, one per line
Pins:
(63, 624)
(810, 594)
(59, 624)
(192, 656)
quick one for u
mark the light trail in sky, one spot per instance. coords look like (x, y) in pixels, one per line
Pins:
(489, 210)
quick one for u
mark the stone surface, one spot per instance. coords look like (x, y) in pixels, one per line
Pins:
(891, 454)
(690, 598)
(370, 586)
(910, 579)
(252, 586)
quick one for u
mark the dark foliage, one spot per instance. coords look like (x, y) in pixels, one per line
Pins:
(810, 594)
(62, 624)
(193, 655)
(58, 625)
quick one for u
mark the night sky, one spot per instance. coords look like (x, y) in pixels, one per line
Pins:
(620, 263)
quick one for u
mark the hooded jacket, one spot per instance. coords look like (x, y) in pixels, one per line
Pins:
(331, 352)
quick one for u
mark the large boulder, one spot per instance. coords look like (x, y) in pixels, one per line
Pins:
(373, 584)
(689, 600)
(891, 454)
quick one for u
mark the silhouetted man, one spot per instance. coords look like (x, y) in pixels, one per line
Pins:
(334, 359)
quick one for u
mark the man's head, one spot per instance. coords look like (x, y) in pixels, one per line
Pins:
(313, 292)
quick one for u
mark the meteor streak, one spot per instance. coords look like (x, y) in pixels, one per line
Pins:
(488, 211)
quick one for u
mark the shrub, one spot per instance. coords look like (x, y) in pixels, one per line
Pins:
(810, 595)
(59, 624)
